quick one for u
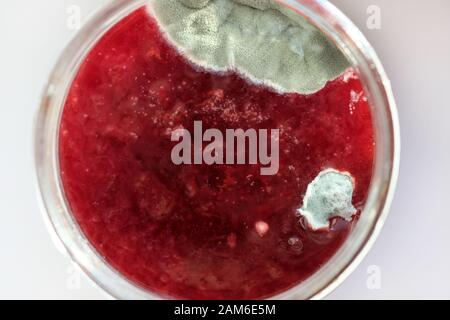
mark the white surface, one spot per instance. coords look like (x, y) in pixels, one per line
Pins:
(412, 252)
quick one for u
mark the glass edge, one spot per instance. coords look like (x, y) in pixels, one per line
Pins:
(118, 9)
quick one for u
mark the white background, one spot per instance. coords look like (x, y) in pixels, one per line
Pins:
(413, 251)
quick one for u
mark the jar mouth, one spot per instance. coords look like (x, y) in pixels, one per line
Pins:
(339, 29)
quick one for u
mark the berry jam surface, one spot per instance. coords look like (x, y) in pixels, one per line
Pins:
(202, 231)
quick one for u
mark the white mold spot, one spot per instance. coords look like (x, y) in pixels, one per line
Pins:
(261, 228)
(328, 196)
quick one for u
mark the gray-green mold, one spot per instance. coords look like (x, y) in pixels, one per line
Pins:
(328, 196)
(260, 39)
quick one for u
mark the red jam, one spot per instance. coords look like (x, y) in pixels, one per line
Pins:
(202, 231)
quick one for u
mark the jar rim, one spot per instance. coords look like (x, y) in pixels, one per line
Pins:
(334, 24)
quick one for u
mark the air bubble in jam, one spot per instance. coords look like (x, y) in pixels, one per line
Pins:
(199, 231)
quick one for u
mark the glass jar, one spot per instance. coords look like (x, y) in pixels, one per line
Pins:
(360, 54)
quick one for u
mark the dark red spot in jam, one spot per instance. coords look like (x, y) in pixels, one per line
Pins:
(198, 231)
